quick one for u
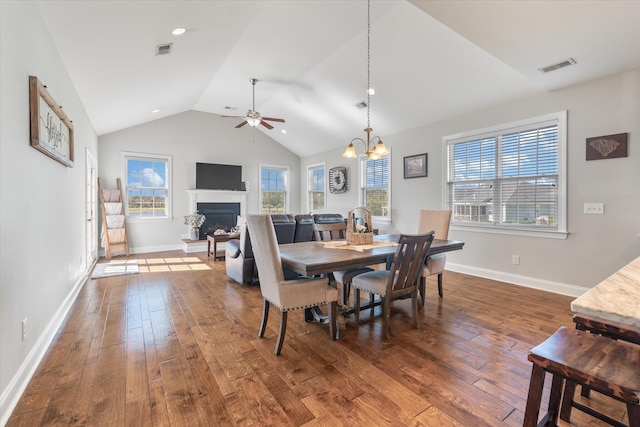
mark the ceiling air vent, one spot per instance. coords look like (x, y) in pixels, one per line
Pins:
(164, 49)
(557, 66)
(361, 105)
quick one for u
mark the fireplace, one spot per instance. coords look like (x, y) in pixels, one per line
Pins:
(220, 207)
(219, 216)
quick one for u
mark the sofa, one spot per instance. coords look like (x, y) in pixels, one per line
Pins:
(239, 261)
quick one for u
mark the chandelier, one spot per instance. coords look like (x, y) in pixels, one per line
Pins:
(372, 149)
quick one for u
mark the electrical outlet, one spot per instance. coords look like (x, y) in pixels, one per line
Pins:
(515, 259)
(594, 208)
(25, 329)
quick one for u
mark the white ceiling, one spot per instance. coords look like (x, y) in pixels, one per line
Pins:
(430, 60)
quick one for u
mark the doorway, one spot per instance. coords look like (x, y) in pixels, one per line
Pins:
(91, 192)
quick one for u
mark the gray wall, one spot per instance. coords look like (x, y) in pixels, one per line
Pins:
(193, 137)
(42, 211)
(597, 245)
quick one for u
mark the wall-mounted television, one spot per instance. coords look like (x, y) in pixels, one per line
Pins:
(213, 176)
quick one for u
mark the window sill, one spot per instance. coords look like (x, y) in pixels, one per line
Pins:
(545, 234)
(141, 219)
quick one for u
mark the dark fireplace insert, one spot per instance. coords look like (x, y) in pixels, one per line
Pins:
(219, 216)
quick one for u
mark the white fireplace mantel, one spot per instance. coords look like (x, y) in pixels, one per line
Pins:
(217, 196)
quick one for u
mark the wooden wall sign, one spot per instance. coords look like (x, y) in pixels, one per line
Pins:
(607, 147)
(50, 128)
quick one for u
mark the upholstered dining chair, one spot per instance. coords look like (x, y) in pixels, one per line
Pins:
(337, 231)
(400, 281)
(287, 295)
(437, 221)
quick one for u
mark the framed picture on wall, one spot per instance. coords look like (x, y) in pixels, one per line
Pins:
(50, 129)
(415, 166)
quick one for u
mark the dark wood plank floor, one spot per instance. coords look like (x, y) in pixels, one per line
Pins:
(176, 345)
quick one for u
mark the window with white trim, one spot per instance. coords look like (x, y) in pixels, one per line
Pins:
(375, 187)
(274, 189)
(146, 192)
(509, 177)
(316, 187)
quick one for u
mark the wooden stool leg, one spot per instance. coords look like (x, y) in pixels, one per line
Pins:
(554, 399)
(634, 415)
(535, 396)
(567, 400)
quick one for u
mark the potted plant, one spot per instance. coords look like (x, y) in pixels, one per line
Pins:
(195, 221)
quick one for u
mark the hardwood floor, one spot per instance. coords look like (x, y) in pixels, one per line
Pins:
(176, 345)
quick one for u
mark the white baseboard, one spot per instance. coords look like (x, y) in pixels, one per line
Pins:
(529, 282)
(12, 394)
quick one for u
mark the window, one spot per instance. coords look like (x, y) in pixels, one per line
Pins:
(509, 177)
(316, 187)
(274, 189)
(146, 189)
(375, 187)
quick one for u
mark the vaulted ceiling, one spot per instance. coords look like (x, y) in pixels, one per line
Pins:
(430, 59)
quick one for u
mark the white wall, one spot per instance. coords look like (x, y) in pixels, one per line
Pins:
(597, 245)
(42, 223)
(192, 137)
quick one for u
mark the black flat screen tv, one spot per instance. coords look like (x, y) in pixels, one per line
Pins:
(213, 176)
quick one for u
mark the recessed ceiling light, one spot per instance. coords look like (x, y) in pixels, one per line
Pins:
(155, 111)
(178, 31)
(283, 131)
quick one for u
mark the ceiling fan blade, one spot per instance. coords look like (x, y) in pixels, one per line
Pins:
(265, 124)
(273, 119)
(241, 124)
(234, 116)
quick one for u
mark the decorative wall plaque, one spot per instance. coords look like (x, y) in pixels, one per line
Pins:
(51, 130)
(607, 147)
(338, 180)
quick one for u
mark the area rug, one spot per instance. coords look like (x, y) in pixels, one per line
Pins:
(115, 268)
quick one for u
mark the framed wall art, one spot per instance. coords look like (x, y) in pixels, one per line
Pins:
(338, 180)
(50, 128)
(607, 146)
(415, 166)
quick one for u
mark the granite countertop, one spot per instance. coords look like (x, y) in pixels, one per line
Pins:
(617, 298)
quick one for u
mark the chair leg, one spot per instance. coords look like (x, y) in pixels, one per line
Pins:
(356, 303)
(567, 400)
(386, 317)
(265, 316)
(333, 326)
(440, 285)
(414, 308)
(281, 332)
(633, 411)
(554, 399)
(422, 288)
(345, 290)
(535, 396)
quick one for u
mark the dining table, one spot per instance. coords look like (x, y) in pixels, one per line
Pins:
(315, 258)
(612, 307)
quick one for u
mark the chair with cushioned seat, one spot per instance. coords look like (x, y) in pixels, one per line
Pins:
(437, 221)
(400, 281)
(337, 231)
(287, 295)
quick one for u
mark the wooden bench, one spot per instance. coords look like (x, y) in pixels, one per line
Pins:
(607, 366)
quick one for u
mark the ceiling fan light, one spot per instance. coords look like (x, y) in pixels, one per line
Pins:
(350, 152)
(253, 121)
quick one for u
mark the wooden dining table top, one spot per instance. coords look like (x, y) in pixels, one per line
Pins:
(310, 258)
(616, 299)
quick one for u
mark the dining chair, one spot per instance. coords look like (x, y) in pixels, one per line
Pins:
(286, 295)
(400, 281)
(337, 231)
(437, 221)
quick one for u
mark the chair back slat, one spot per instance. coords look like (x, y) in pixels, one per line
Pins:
(408, 261)
(334, 231)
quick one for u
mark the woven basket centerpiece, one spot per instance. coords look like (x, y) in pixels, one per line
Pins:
(359, 227)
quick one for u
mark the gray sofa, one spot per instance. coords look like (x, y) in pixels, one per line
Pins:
(239, 261)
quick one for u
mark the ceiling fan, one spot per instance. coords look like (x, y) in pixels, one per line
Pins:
(253, 118)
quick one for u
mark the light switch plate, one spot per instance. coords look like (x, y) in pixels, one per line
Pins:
(594, 208)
